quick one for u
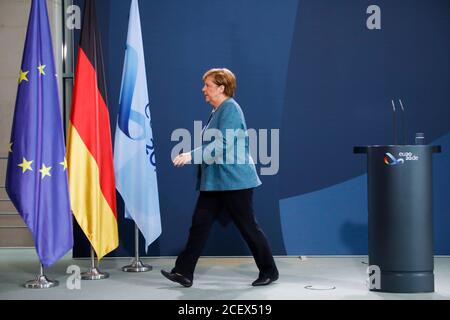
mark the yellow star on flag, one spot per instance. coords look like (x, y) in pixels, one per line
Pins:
(23, 76)
(25, 165)
(10, 147)
(64, 164)
(41, 69)
(45, 171)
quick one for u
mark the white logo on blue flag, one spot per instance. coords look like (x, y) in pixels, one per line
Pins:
(134, 154)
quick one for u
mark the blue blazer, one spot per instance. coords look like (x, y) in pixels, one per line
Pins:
(225, 162)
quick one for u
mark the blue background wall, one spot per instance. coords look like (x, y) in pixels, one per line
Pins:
(310, 68)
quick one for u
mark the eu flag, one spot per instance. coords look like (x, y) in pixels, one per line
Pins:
(36, 179)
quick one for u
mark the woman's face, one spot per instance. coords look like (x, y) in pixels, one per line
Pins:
(211, 90)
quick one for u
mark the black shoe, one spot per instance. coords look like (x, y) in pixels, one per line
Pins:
(176, 277)
(264, 281)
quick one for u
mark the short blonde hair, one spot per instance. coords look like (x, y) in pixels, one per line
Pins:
(223, 77)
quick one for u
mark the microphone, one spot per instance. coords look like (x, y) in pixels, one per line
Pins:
(403, 122)
(394, 127)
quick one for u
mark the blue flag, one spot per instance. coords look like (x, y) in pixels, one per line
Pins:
(134, 152)
(36, 178)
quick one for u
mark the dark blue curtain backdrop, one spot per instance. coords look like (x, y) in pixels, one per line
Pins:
(310, 68)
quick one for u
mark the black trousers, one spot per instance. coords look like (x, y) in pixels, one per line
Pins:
(239, 205)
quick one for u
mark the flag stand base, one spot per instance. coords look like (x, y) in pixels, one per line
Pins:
(137, 266)
(41, 282)
(94, 274)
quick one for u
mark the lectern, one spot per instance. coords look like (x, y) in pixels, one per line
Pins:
(400, 220)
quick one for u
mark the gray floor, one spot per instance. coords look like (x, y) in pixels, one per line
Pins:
(215, 278)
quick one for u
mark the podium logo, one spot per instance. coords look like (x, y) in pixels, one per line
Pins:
(390, 160)
(409, 156)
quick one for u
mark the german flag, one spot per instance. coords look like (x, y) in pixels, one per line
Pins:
(89, 147)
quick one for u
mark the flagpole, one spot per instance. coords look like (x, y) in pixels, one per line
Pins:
(93, 273)
(41, 281)
(136, 265)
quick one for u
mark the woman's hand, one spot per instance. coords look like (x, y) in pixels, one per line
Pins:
(181, 159)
